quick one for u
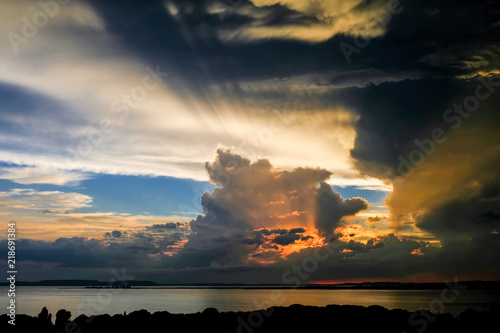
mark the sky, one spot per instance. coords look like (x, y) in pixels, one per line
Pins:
(251, 141)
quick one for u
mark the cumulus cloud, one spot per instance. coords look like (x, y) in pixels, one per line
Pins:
(332, 208)
(80, 252)
(260, 208)
(259, 194)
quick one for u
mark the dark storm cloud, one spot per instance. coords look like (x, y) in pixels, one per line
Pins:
(367, 261)
(187, 43)
(420, 30)
(268, 232)
(490, 189)
(266, 238)
(490, 215)
(395, 116)
(383, 257)
(470, 218)
(118, 248)
(288, 237)
(80, 252)
(447, 40)
(468, 229)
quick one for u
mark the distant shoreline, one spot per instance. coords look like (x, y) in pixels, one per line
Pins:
(471, 285)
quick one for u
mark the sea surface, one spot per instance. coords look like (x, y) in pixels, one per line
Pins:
(79, 300)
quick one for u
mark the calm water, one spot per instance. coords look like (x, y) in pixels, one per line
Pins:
(30, 300)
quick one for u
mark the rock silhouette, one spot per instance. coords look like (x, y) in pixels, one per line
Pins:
(295, 318)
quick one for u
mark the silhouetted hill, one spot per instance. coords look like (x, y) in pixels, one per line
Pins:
(471, 285)
(82, 283)
(296, 318)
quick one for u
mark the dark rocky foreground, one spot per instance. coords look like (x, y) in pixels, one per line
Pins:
(296, 318)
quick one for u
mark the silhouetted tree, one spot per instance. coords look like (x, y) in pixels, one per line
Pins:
(45, 316)
(62, 317)
(45, 320)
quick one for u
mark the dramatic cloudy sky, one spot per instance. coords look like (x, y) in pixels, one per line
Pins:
(251, 141)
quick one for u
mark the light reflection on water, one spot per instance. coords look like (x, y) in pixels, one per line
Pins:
(30, 300)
